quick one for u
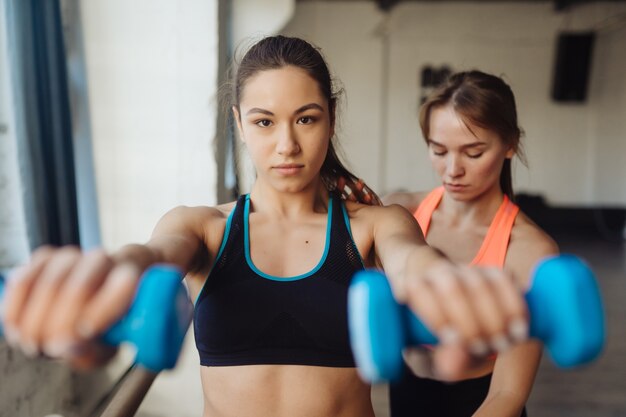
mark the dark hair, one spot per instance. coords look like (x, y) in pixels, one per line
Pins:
(276, 52)
(483, 100)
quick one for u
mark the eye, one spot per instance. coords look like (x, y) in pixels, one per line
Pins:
(475, 156)
(263, 123)
(306, 120)
(438, 152)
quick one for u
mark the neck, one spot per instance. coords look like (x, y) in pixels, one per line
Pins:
(270, 201)
(478, 211)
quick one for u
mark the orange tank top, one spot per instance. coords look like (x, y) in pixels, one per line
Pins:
(493, 249)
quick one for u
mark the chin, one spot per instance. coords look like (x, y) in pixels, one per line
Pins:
(465, 195)
(291, 188)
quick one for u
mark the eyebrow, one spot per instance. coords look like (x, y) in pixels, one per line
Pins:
(310, 106)
(469, 145)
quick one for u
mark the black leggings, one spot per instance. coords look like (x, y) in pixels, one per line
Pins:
(417, 397)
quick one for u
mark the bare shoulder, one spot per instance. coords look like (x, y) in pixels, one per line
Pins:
(200, 222)
(198, 215)
(528, 245)
(409, 201)
(379, 215)
(528, 235)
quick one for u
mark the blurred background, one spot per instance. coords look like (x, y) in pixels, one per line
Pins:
(110, 114)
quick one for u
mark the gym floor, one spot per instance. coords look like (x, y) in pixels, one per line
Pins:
(597, 390)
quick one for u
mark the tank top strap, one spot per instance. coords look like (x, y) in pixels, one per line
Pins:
(233, 231)
(235, 225)
(494, 247)
(427, 207)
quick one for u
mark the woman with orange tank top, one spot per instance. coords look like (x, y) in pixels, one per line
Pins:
(470, 127)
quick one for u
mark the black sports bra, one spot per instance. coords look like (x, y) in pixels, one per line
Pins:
(244, 316)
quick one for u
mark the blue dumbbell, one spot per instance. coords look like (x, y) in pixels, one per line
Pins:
(564, 304)
(157, 320)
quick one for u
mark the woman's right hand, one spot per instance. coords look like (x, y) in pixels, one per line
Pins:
(63, 298)
(473, 310)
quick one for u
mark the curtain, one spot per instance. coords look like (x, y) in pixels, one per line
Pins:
(43, 121)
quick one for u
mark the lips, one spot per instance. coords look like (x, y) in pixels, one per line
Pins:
(455, 187)
(288, 169)
(288, 166)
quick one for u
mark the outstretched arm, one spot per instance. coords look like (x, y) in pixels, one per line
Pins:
(63, 297)
(464, 306)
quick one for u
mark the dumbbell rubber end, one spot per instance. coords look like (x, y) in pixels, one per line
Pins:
(158, 319)
(568, 313)
(375, 323)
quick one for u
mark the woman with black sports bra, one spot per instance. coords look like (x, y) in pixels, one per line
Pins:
(269, 272)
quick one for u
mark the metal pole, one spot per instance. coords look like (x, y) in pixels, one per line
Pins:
(130, 393)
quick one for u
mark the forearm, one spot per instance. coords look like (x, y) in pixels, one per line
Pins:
(174, 250)
(423, 258)
(416, 261)
(140, 256)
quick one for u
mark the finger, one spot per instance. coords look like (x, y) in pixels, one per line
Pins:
(111, 302)
(43, 296)
(454, 300)
(488, 311)
(18, 289)
(374, 200)
(80, 287)
(341, 184)
(511, 302)
(423, 300)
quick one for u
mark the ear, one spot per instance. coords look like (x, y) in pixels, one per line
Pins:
(237, 118)
(510, 153)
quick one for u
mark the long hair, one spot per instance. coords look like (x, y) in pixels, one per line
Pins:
(483, 100)
(276, 52)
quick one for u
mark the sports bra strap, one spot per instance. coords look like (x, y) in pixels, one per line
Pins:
(493, 249)
(427, 207)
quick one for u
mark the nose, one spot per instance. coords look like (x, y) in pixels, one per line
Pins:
(287, 143)
(454, 167)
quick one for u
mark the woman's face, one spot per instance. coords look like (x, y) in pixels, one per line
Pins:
(284, 120)
(469, 162)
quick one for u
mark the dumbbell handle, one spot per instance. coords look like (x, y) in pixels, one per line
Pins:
(564, 304)
(157, 320)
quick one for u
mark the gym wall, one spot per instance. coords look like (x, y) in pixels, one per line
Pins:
(152, 82)
(576, 151)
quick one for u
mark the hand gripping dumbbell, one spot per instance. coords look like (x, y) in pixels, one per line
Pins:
(564, 304)
(157, 320)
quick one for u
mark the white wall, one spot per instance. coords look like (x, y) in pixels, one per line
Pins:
(152, 81)
(609, 129)
(576, 151)
(151, 68)
(251, 20)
